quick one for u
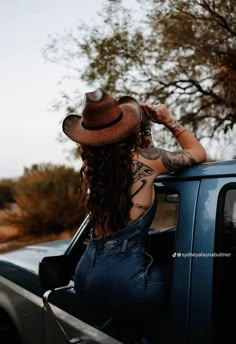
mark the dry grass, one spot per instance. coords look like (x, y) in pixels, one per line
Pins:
(8, 231)
(11, 237)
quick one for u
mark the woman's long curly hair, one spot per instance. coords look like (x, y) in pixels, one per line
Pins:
(106, 179)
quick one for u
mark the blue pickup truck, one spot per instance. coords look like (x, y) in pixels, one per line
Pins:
(197, 236)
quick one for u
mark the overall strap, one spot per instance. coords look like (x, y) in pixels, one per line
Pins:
(143, 181)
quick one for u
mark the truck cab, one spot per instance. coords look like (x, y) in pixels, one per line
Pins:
(196, 236)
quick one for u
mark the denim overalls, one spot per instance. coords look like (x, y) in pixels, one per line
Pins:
(117, 275)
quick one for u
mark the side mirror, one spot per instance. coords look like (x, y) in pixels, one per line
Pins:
(55, 271)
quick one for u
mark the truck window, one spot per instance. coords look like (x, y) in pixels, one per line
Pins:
(166, 213)
(224, 267)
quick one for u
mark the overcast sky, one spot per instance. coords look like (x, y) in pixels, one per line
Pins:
(29, 85)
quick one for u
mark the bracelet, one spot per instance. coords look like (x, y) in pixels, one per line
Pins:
(176, 124)
(174, 128)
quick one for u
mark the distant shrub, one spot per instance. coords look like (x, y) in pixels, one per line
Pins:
(6, 192)
(47, 197)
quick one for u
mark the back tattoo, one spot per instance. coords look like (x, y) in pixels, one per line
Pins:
(140, 170)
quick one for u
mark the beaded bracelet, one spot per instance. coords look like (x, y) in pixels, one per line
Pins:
(176, 124)
(173, 127)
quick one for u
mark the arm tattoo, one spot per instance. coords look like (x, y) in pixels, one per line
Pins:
(140, 170)
(172, 161)
(177, 160)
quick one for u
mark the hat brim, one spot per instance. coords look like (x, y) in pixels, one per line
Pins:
(132, 114)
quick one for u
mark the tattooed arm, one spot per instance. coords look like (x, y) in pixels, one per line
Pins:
(168, 161)
(192, 151)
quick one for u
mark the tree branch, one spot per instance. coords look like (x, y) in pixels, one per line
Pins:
(218, 17)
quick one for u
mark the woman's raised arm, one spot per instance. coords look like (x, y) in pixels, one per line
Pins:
(192, 151)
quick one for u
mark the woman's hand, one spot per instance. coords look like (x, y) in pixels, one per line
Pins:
(157, 113)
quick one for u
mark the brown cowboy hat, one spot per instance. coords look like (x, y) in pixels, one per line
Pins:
(104, 120)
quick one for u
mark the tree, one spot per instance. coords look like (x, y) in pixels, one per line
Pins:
(47, 198)
(182, 52)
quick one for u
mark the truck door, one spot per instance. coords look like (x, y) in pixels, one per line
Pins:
(178, 313)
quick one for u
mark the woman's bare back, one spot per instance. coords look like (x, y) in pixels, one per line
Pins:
(142, 190)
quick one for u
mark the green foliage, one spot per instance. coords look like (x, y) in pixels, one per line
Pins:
(182, 52)
(47, 197)
(6, 192)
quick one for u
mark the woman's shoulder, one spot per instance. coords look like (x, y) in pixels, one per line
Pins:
(147, 159)
(150, 153)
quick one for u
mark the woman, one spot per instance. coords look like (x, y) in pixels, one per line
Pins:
(116, 274)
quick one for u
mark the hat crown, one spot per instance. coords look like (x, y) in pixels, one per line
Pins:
(100, 110)
(94, 96)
